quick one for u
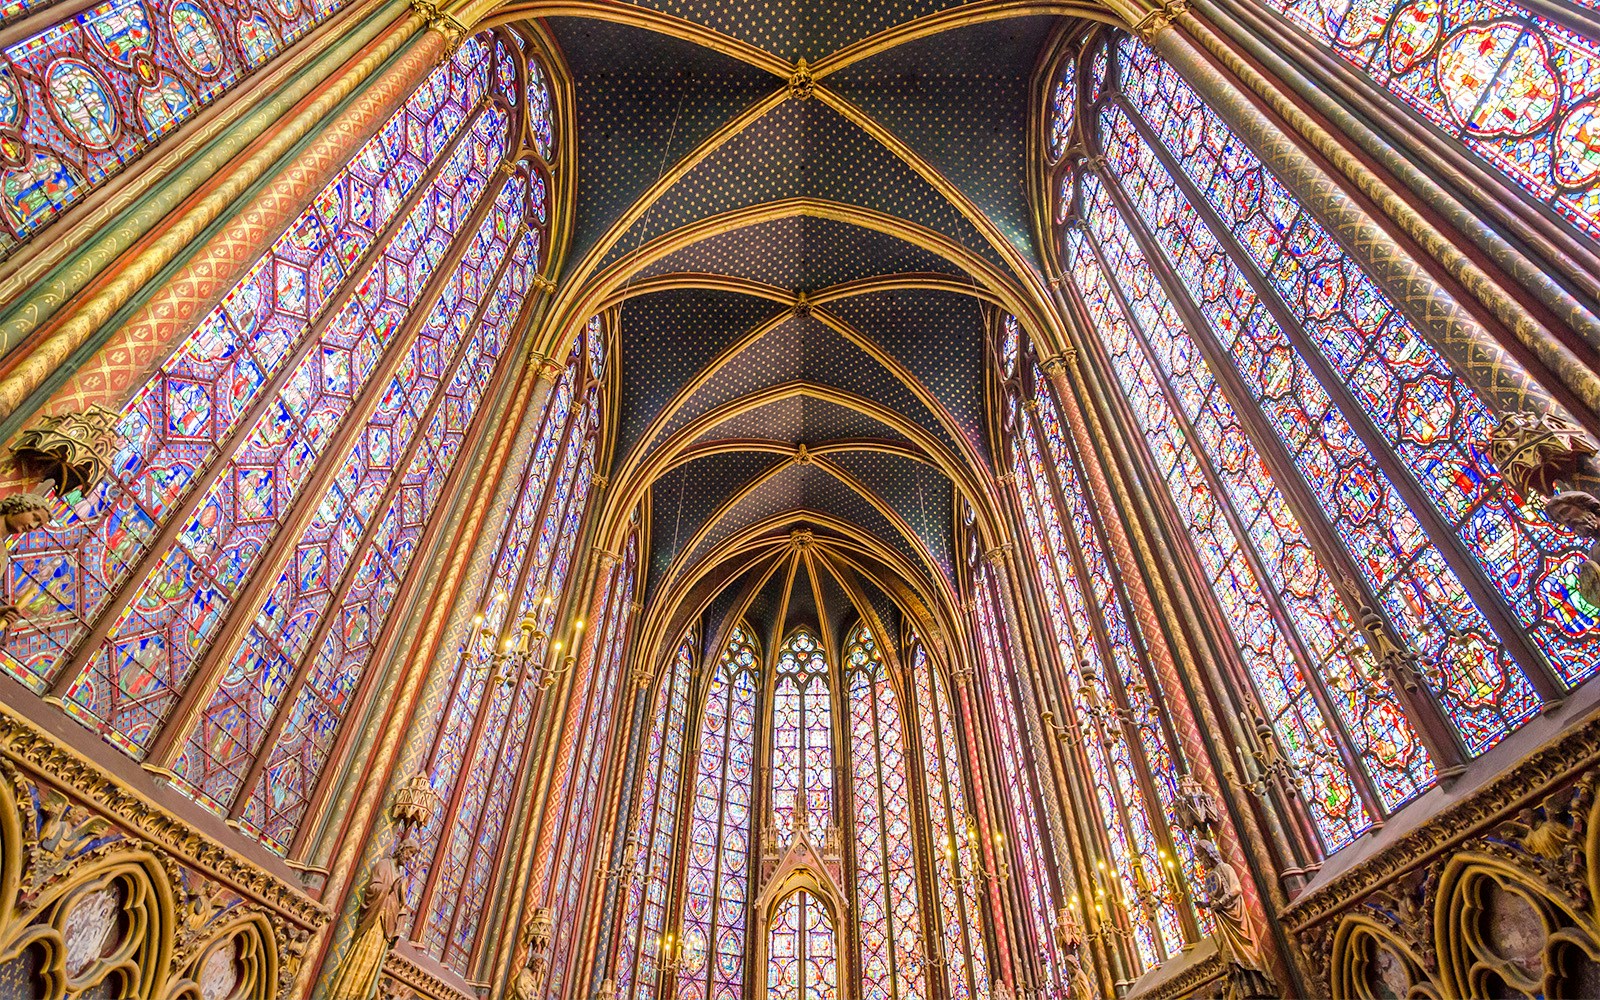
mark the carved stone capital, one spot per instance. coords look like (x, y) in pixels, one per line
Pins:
(1153, 23)
(444, 23)
(550, 369)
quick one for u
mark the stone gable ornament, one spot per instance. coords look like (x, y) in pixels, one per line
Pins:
(1195, 809)
(1536, 452)
(72, 449)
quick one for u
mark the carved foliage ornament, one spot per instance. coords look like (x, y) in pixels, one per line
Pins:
(86, 907)
(1509, 913)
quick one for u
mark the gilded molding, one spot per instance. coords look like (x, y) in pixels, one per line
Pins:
(67, 870)
(40, 753)
(401, 969)
(1561, 759)
(1189, 983)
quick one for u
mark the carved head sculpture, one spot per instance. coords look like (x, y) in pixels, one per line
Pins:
(1577, 512)
(23, 512)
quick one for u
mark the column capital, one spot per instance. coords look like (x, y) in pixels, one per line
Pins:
(997, 555)
(443, 22)
(1158, 20)
(549, 368)
(1056, 367)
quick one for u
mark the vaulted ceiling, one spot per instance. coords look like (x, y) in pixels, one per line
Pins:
(801, 262)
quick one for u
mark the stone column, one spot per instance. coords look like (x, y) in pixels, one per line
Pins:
(400, 749)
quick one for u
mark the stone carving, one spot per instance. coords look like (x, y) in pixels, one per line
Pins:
(801, 85)
(1493, 897)
(383, 906)
(1579, 513)
(1223, 895)
(109, 913)
(20, 513)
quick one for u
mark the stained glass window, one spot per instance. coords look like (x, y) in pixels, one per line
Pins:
(887, 916)
(215, 605)
(1430, 422)
(354, 554)
(803, 954)
(1311, 440)
(1515, 88)
(249, 351)
(717, 876)
(85, 96)
(955, 863)
(1253, 550)
(802, 737)
(582, 791)
(1027, 834)
(644, 926)
(481, 746)
(1063, 107)
(1098, 678)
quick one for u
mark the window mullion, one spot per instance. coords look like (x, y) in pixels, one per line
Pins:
(1467, 569)
(1431, 724)
(1316, 685)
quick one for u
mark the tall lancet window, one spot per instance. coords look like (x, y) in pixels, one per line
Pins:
(1153, 912)
(1325, 458)
(480, 744)
(955, 856)
(1125, 744)
(717, 876)
(644, 921)
(889, 922)
(803, 956)
(597, 703)
(802, 737)
(215, 606)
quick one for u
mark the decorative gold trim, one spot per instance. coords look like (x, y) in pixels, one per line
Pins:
(42, 754)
